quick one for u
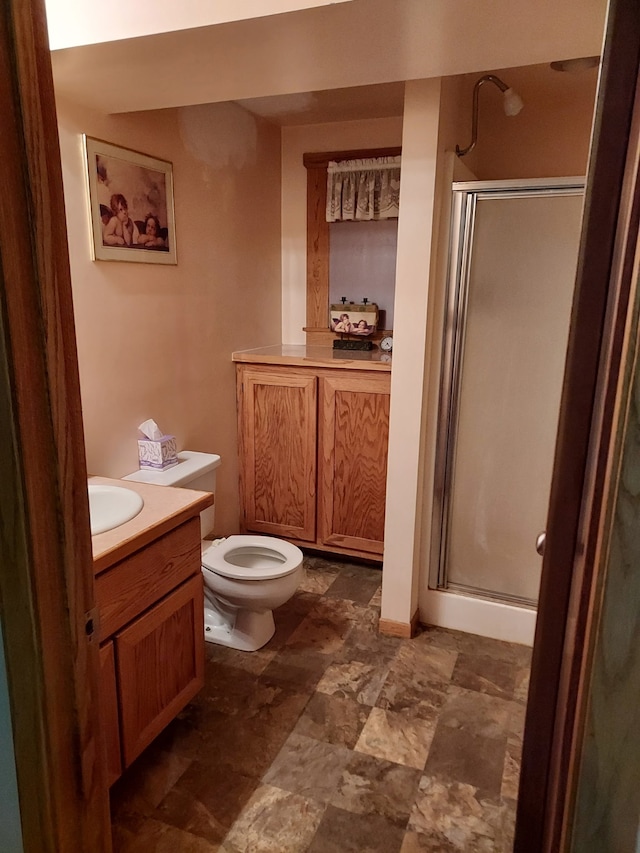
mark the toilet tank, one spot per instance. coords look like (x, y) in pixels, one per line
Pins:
(193, 471)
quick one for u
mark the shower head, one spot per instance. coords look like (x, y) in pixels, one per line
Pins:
(512, 104)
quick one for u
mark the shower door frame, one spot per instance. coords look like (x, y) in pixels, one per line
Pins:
(466, 195)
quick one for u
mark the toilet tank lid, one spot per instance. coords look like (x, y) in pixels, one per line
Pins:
(192, 464)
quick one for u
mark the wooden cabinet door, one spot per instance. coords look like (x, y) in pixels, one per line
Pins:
(109, 722)
(278, 443)
(138, 581)
(160, 663)
(354, 429)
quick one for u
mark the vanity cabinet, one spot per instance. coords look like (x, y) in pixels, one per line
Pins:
(160, 665)
(151, 633)
(313, 455)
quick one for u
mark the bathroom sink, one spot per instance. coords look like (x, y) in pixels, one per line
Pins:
(111, 506)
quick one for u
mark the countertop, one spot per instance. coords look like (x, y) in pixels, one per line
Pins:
(299, 355)
(164, 509)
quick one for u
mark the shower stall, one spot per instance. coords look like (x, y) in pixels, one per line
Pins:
(512, 263)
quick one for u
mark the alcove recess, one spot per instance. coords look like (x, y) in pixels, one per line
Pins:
(317, 325)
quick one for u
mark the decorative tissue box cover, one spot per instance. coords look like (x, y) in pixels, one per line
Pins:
(159, 454)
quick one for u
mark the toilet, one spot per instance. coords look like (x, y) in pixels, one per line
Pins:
(245, 577)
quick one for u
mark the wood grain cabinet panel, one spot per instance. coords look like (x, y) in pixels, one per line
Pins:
(278, 451)
(151, 613)
(109, 719)
(132, 585)
(313, 456)
(160, 663)
(354, 429)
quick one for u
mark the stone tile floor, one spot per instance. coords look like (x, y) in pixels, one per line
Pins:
(334, 739)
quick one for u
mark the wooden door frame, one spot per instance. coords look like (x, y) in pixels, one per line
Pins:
(46, 571)
(585, 433)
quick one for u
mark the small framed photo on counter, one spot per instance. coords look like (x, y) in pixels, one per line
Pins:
(354, 318)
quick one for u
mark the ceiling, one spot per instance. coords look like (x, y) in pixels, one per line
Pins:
(349, 104)
(349, 59)
(532, 82)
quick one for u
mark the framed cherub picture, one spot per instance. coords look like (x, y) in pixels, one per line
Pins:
(131, 205)
(352, 318)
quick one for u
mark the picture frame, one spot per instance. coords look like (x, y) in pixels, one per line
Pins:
(131, 206)
(354, 318)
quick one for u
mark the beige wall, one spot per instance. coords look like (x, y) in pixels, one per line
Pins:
(548, 138)
(156, 341)
(417, 225)
(296, 141)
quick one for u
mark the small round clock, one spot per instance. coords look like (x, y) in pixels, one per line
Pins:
(386, 344)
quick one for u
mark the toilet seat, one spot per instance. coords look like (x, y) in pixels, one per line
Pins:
(250, 558)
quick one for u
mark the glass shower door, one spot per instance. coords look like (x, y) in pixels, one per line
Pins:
(514, 263)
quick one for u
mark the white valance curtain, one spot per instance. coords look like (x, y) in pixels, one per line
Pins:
(363, 189)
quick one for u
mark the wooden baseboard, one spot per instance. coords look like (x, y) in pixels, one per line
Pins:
(404, 630)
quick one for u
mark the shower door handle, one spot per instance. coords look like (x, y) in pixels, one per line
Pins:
(540, 540)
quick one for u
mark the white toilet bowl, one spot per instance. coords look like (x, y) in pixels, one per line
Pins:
(245, 578)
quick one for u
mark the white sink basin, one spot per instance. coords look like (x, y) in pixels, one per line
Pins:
(111, 506)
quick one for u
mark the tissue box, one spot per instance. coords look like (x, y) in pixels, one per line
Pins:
(159, 454)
